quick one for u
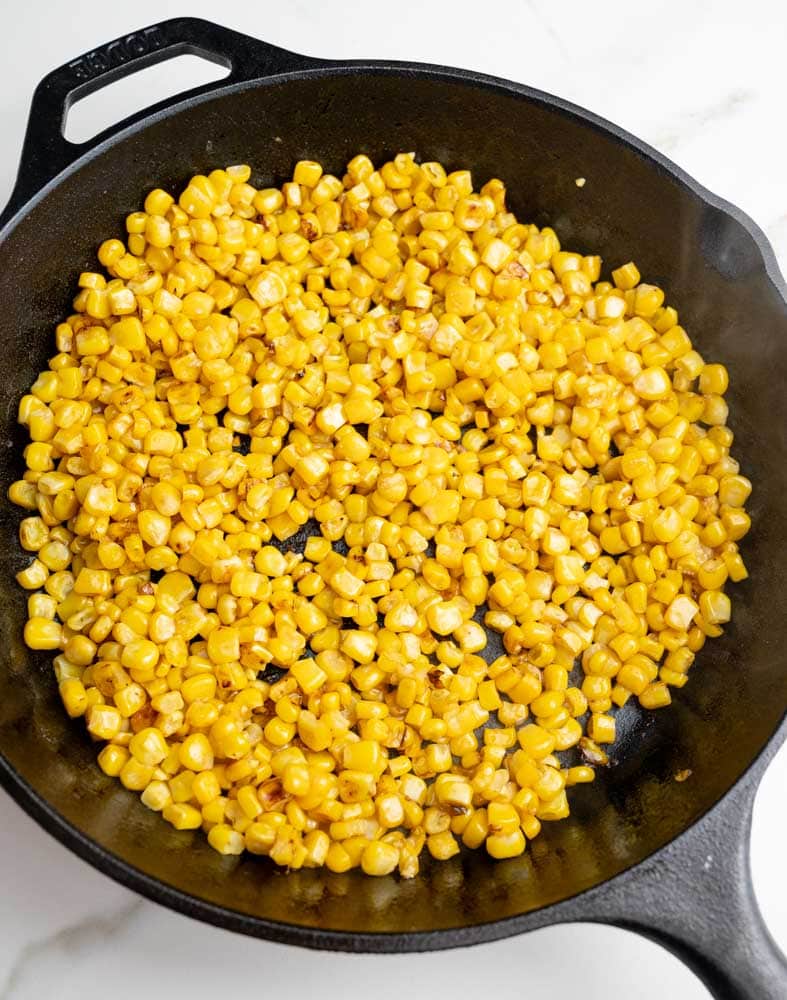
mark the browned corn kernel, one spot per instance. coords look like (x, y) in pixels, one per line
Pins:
(537, 441)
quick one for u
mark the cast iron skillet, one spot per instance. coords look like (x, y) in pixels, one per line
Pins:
(640, 850)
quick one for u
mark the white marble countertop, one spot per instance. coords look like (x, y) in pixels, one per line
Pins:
(703, 82)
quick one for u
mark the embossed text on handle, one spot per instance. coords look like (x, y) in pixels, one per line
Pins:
(117, 53)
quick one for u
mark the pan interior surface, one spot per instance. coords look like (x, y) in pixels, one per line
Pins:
(629, 208)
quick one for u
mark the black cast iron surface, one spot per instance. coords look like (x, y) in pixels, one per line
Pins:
(641, 850)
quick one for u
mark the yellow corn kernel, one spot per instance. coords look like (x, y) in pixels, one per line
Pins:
(714, 379)
(156, 796)
(140, 654)
(103, 721)
(680, 613)
(656, 695)
(205, 787)
(602, 728)
(148, 746)
(224, 839)
(33, 577)
(626, 277)
(444, 618)
(113, 759)
(74, 696)
(379, 858)
(43, 633)
(506, 845)
(196, 753)
(205, 406)
(182, 816)
(365, 755)
(442, 846)
(359, 646)
(715, 607)
(224, 645)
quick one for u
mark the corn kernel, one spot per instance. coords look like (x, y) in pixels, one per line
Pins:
(367, 355)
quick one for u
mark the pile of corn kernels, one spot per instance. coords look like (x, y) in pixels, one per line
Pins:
(479, 437)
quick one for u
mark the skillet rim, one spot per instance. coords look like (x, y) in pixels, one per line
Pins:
(39, 809)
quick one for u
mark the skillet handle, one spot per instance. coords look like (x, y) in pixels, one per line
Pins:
(46, 151)
(696, 898)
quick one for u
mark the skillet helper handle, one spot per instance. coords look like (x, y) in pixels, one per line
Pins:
(696, 898)
(46, 152)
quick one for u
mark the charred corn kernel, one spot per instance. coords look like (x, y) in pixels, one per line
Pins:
(367, 354)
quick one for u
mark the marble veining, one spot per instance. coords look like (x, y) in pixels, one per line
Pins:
(544, 19)
(692, 121)
(702, 83)
(99, 930)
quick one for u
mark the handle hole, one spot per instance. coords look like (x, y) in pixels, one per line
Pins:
(109, 105)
